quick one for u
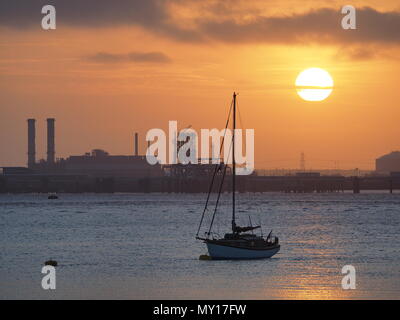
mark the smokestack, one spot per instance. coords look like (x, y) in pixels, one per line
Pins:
(136, 144)
(51, 152)
(31, 143)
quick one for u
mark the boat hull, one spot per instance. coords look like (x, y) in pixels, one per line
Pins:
(220, 252)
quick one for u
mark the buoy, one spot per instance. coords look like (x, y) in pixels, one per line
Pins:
(205, 257)
(51, 263)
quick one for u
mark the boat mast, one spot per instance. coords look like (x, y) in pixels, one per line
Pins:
(233, 164)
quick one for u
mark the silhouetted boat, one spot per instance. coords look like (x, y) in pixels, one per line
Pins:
(238, 244)
(52, 196)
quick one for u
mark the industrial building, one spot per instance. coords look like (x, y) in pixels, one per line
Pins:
(100, 163)
(97, 164)
(388, 163)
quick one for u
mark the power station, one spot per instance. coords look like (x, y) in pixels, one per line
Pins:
(98, 171)
(32, 142)
(97, 163)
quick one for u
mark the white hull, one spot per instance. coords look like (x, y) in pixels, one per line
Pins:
(225, 252)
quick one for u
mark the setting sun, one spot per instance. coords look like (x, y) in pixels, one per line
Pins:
(314, 84)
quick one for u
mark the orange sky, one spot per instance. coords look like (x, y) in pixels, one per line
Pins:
(99, 102)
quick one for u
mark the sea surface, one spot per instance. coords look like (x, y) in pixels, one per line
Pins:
(142, 246)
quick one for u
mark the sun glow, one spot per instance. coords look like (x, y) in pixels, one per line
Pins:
(314, 84)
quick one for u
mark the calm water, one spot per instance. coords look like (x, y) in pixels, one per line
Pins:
(128, 246)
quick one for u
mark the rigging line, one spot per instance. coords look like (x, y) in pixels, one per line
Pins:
(218, 224)
(216, 204)
(251, 225)
(219, 195)
(215, 171)
(241, 122)
(240, 115)
(259, 222)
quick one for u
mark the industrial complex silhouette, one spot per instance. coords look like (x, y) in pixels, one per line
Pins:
(98, 171)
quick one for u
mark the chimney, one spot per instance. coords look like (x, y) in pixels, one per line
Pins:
(136, 144)
(50, 141)
(31, 143)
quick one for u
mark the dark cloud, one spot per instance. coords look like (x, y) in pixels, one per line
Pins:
(91, 13)
(317, 26)
(149, 14)
(144, 57)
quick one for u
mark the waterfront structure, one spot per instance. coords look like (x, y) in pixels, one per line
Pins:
(388, 163)
(100, 163)
(31, 143)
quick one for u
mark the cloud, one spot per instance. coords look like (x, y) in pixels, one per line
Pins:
(90, 13)
(246, 26)
(142, 57)
(317, 26)
(357, 53)
(151, 15)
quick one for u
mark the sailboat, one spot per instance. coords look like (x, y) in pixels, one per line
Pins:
(239, 243)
